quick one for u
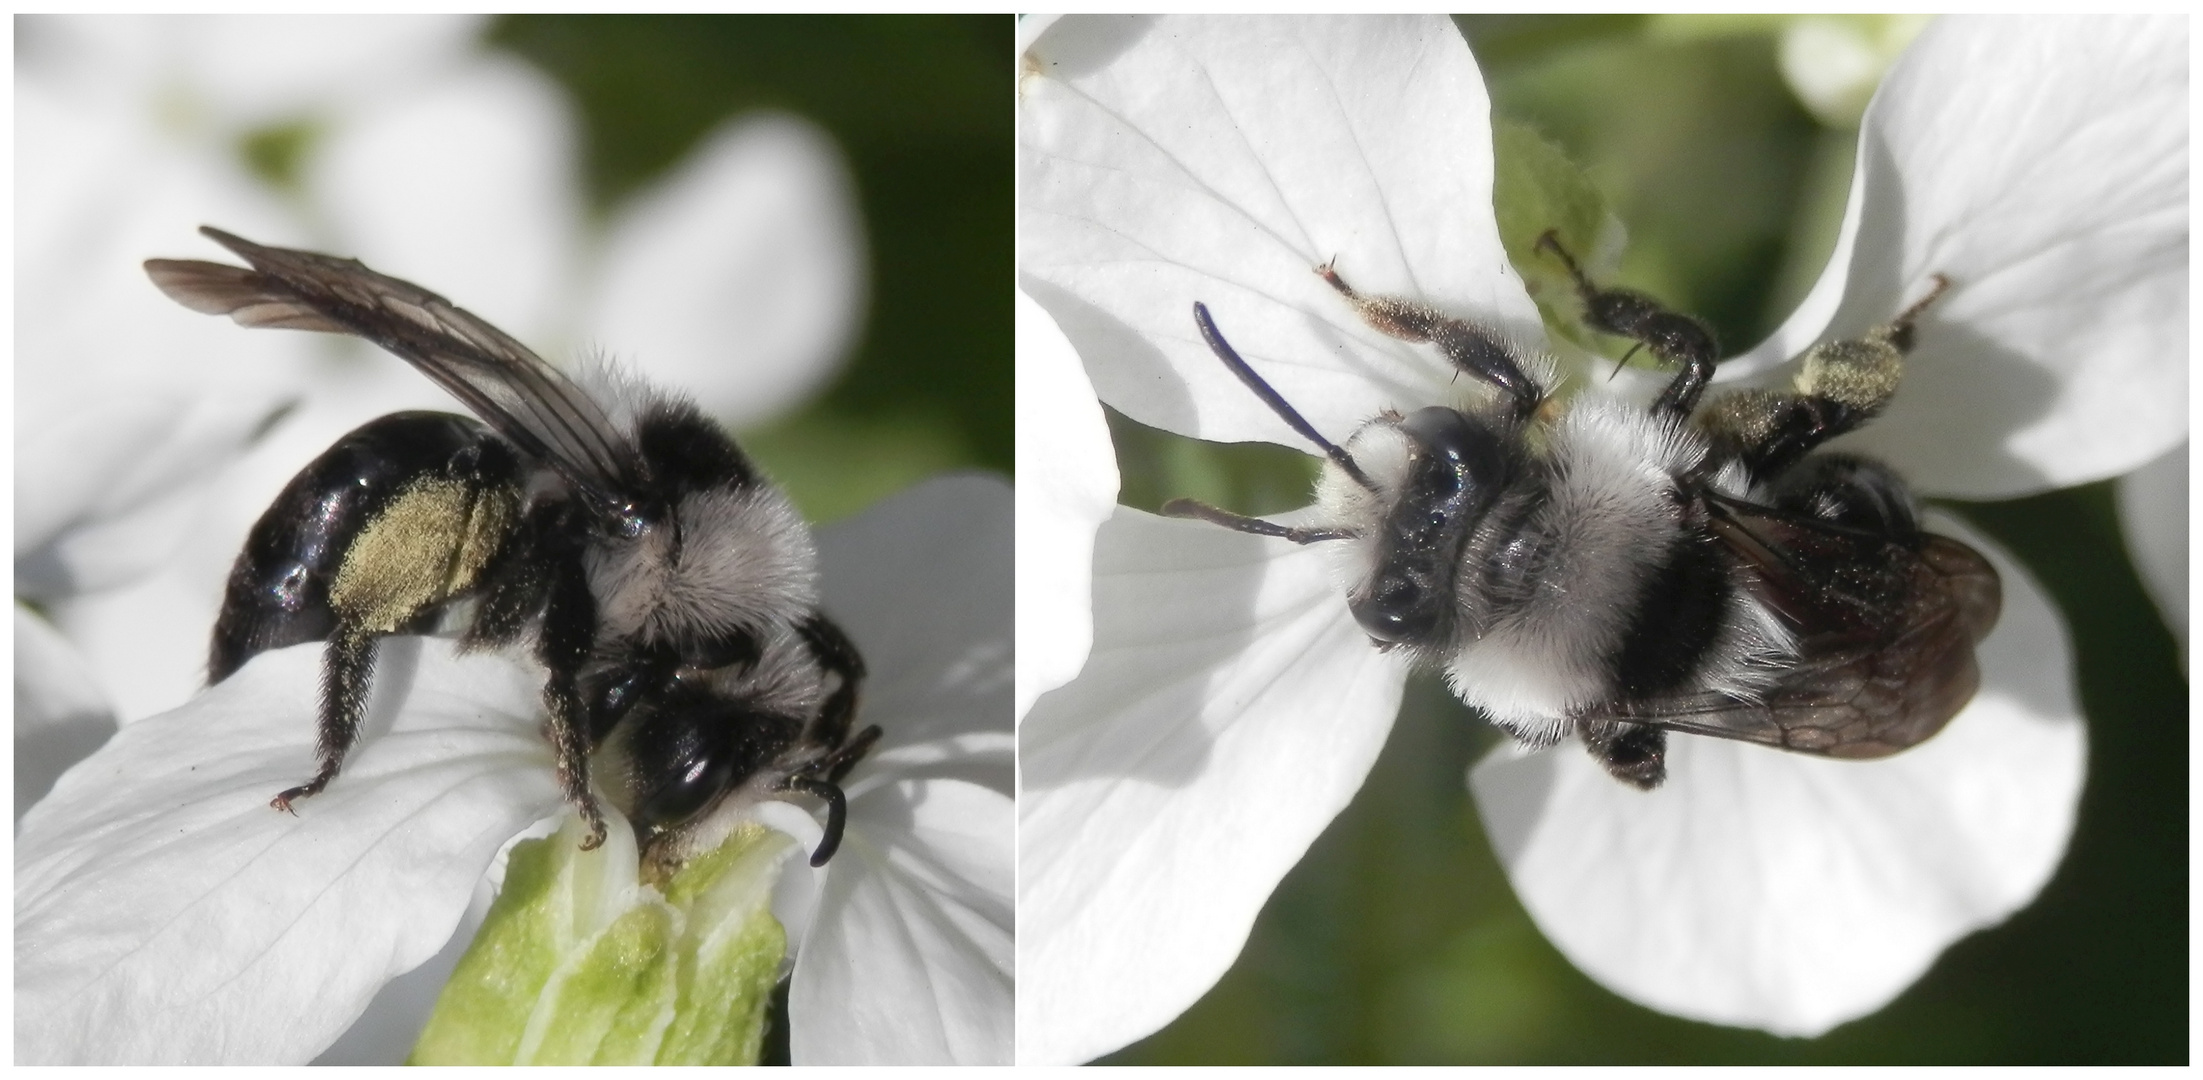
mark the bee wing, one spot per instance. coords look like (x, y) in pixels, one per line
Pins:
(1885, 632)
(528, 401)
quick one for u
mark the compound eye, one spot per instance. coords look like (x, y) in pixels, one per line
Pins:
(1462, 452)
(1395, 608)
(678, 776)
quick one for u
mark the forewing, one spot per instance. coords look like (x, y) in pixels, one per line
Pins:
(1885, 634)
(529, 402)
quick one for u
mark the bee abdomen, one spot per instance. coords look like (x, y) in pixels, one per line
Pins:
(399, 515)
(1683, 610)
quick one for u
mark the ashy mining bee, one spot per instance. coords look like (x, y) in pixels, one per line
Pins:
(1618, 572)
(667, 586)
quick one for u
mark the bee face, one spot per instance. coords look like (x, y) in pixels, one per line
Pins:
(1445, 470)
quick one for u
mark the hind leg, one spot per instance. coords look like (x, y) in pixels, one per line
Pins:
(347, 676)
(1840, 386)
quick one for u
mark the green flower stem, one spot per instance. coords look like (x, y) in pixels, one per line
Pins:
(580, 962)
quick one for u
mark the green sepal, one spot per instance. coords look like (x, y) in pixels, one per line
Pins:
(581, 962)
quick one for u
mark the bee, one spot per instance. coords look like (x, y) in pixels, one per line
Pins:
(1616, 572)
(664, 584)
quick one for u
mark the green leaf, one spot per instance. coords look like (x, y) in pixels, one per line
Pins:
(1536, 187)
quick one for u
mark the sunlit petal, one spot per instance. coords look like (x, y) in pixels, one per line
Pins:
(1229, 710)
(1792, 893)
(1168, 161)
(740, 276)
(1067, 486)
(164, 912)
(2042, 165)
(2153, 517)
(907, 957)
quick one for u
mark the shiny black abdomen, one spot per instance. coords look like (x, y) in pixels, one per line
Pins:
(278, 592)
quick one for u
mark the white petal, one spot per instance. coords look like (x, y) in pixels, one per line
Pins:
(2153, 517)
(386, 1030)
(146, 643)
(1230, 709)
(908, 961)
(739, 277)
(467, 187)
(1168, 161)
(61, 715)
(1067, 486)
(118, 389)
(108, 484)
(922, 582)
(53, 688)
(253, 69)
(1793, 893)
(2041, 164)
(908, 956)
(164, 913)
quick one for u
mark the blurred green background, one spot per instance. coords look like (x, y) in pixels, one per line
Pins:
(920, 111)
(1397, 939)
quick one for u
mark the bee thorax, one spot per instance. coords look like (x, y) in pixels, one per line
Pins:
(733, 559)
(1560, 578)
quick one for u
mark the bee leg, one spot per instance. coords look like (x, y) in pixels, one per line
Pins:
(1854, 492)
(563, 644)
(838, 655)
(837, 812)
(1635, 754)
(1840, 385)
(1474, 349)
(347, 675)
(1672, 336)
(837, 764)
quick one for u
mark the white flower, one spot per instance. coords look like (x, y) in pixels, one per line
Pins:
(165, 914)
(1230, 706)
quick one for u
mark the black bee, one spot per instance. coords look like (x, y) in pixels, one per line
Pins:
(1617, 572)
(668, 586)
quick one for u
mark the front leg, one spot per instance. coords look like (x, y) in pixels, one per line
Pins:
(1673, 337)
(1474, 349)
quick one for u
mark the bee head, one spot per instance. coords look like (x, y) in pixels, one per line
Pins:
(1453, 468)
